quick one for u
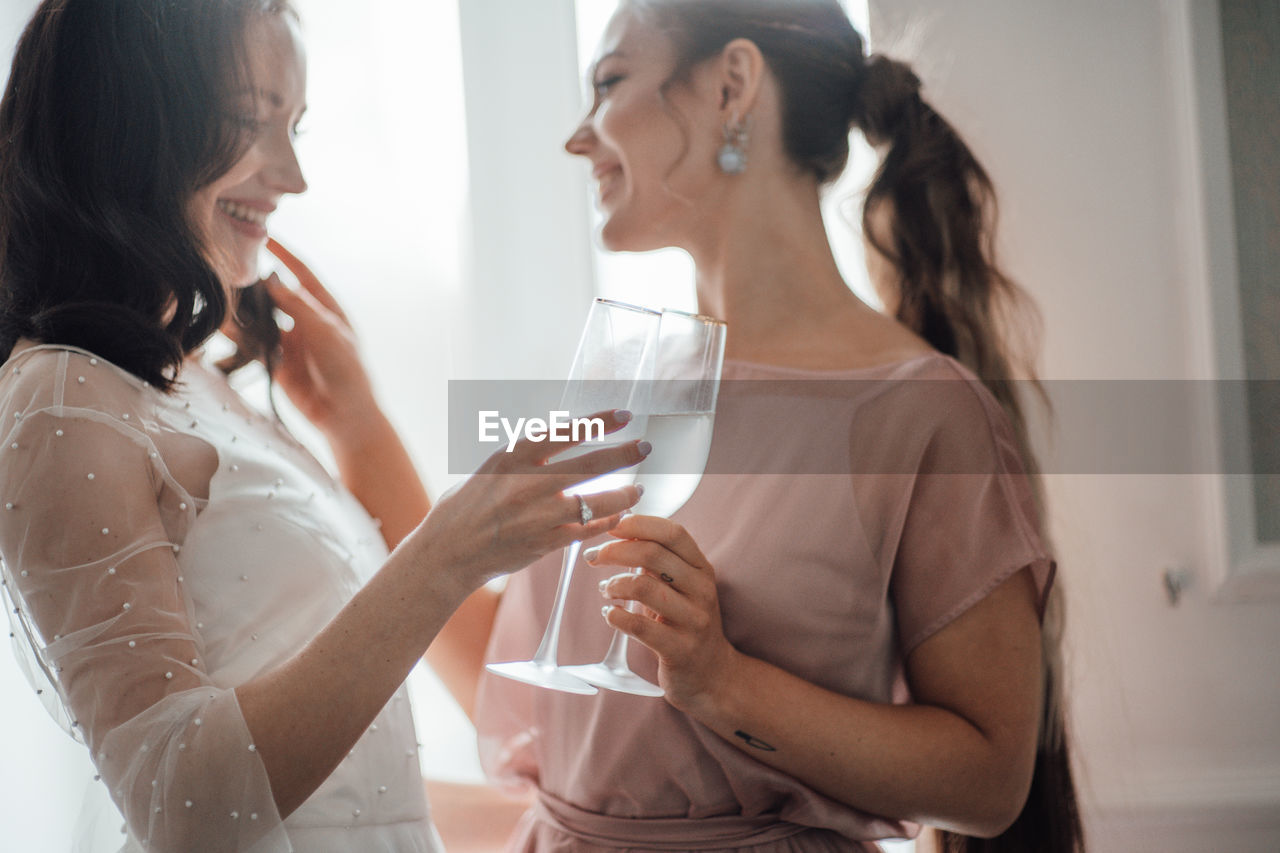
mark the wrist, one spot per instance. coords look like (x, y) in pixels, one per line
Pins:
(355, 426)
(719, 696)
(442, 571)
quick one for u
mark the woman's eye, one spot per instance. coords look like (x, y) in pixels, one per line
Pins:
(248, 124)
(604, 84)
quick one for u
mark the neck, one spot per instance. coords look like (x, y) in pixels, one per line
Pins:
(766, 266)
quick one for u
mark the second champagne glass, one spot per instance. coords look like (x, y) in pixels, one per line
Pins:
(612, 369)
(682, 403)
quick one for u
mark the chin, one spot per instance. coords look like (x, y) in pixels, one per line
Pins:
(238, 273)
(248, 279)
(617, 236)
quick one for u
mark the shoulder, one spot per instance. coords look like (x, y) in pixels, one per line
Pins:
(941, 416)
(938, 385)
(66, 381)
(68, 416)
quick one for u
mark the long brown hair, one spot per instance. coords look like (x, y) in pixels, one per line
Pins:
(941, 209)
(115, 114)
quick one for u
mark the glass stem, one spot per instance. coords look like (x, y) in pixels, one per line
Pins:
(548, 648)
(616, 658)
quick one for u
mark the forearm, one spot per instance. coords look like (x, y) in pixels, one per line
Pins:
(307, 714)
(909, 762)
(376, 468)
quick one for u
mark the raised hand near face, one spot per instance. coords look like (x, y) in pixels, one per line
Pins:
(320, 366)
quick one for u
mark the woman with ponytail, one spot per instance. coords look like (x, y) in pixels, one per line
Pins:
(845, 658)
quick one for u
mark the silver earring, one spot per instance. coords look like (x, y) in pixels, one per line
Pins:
(732, 157)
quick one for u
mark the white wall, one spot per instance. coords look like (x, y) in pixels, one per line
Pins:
(1074, 109)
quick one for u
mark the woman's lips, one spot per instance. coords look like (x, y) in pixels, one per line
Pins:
(248, 219)
(607, 179)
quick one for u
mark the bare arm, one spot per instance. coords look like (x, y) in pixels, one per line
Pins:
(91, 559)
(321, 372)
(960, 757)
(306, 715)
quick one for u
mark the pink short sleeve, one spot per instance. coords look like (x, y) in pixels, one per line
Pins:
(971, 520)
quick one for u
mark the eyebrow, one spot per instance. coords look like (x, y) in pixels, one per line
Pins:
(273, 98)
(277, 101)
(595, 66)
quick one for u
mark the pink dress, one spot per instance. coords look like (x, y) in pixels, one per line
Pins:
(849, 515)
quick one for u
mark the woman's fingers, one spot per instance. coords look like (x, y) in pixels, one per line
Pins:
(661, 531)
(287, 299)
(667, 602)
(595, 464)
(643, 553)
(527, 450)
(668, 585)
(603, 504)
(604, 512)
(653, 634)
(309, 281)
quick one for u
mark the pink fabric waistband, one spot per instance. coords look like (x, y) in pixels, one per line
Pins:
(711, 833)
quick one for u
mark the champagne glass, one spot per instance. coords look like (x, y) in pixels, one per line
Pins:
(612, 369)
(682, 415)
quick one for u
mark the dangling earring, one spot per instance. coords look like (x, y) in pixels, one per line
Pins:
(732, 157)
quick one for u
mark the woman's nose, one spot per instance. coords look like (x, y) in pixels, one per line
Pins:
(581, 140)
(284, 172)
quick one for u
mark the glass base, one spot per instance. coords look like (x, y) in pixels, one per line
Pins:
(619, 680)
(542, 675)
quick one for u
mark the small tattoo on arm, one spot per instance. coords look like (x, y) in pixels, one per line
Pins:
(754, 742)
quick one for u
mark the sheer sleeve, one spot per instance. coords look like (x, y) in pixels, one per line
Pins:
(971, 520)
(90, 532)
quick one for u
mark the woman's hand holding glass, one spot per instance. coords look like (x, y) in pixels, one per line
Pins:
(614, 363)
(680, 621)
(688, 364)
(514, 507)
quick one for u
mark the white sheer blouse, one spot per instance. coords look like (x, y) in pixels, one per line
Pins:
(158, 551)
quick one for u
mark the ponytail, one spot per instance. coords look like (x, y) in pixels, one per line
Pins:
(941, 208)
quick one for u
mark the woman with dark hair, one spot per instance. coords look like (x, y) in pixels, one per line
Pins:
(844, 657)
(200, 603)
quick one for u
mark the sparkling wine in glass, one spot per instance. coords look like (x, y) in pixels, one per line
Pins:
(612, 369)
(683, 402)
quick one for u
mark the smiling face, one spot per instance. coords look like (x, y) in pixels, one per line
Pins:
(231, 212)
(652, 151)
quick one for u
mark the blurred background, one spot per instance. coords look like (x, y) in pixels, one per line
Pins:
(446, 217)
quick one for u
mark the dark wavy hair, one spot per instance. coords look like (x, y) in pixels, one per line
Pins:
(940, 242)
(115, 114)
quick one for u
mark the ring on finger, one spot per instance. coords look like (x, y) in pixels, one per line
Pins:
(584, 512)
(666, 577)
